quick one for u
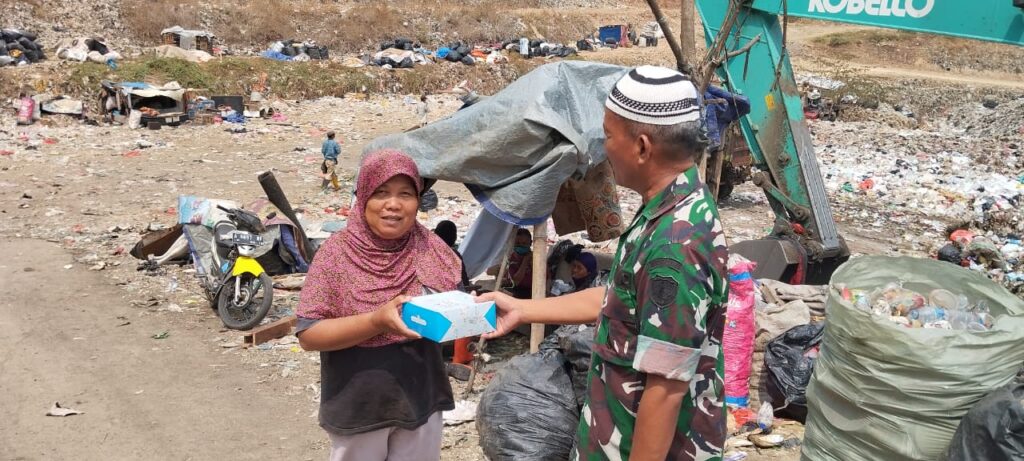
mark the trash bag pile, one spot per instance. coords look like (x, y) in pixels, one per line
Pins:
(294, 50)
(528, 412)
(83, 49)
(576, 343)
(19, 48)
(540, 48)
(531, 408)
(470, 55)
(939, 308)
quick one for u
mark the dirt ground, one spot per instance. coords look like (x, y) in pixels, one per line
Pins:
(78, 322)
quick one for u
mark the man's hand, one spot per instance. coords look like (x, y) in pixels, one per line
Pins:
(510, 313)
(388, 318)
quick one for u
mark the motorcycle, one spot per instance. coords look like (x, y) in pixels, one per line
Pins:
(238, 288)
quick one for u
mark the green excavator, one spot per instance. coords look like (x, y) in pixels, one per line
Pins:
(746, 43)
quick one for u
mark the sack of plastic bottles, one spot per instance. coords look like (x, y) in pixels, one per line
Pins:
(883, 391)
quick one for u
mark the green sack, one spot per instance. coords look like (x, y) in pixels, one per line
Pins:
(881, 391)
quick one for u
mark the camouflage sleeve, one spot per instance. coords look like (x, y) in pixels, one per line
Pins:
(673, 295)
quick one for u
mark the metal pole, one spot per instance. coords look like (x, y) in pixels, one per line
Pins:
(673, 43)
(540, 279)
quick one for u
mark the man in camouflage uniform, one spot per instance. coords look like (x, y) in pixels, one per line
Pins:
(655, 385)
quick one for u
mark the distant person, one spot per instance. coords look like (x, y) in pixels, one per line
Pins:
(584, 270)
(449, 233)
(331, 150)
(422, 109)
(519, 275)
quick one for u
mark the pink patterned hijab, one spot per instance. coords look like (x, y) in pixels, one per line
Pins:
(355, 271)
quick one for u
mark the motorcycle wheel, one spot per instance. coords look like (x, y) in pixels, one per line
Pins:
(256, 296)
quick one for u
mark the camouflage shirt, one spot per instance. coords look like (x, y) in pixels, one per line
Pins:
(663, 314)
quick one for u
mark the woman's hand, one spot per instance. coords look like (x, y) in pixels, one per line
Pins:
(388, 318)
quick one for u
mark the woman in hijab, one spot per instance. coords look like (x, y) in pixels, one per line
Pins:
(584, 270)
(383, 387)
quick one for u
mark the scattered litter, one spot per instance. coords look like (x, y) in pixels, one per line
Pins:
(57, 410)
(465, 411)
(161, 335)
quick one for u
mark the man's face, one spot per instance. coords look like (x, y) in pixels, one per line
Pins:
(621, 147)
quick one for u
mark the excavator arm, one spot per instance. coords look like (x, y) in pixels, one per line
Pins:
(747, 51)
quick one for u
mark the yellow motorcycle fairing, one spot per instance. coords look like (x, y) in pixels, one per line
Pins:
(247, 265)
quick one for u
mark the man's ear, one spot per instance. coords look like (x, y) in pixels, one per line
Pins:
(645, 149)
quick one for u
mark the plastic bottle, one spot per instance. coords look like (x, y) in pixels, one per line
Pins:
(765, 417)
(970, 321)
(927, 314)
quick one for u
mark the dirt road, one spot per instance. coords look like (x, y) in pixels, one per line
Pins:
(68, 336)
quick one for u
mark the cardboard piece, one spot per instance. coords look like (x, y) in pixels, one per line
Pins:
(449, 316)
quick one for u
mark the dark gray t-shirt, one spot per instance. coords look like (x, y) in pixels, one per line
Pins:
(369, 388)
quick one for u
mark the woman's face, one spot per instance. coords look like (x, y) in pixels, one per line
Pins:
(391, 209)
(579, 271)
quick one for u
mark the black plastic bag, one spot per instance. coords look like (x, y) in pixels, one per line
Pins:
(526, 412)
(576, 343)
(993, 429)
(790, 359)
(428, 201)
(469, 60)
(454, 56)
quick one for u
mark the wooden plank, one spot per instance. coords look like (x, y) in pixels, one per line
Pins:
(273, 330)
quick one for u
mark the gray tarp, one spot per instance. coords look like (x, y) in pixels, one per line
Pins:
(515, 150)
(884, 392)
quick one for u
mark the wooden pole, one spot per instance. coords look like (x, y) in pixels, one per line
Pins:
(478, 360)
(503, 267)
(673, 43)
(540, 285)
(687, 38)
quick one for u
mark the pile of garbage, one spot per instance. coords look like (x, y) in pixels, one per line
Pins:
(395, 58)
(941, 308)
(19, 48)
(93, 49)
(536, 48)
(469, 55)
(998, 255)
(294, 50)
(992, 118)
